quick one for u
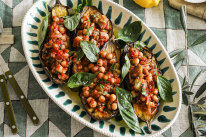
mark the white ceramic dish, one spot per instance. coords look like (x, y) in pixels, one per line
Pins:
(69, 101)
(195, 1)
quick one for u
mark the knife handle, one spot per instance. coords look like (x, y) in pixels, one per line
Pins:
(8, 105)
(22, 98)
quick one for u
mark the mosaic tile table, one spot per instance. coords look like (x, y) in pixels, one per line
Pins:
(163, 20)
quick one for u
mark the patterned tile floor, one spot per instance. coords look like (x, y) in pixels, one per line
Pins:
(163, 20)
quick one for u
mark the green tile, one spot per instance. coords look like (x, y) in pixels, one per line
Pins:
(1, 130)
(16, 2)
(16, 67)
(20, 115)
(42, 131)
(6, 15)
(17, 39)
(161, 34)
(136, 9)
(85, 132)
(167, 133)
(60, 118)
(193, 71)
(35, 91)
(199, 50)
(188, 133)
(172, 17)
(6, 54)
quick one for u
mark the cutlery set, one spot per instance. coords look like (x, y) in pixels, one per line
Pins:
(7, 76)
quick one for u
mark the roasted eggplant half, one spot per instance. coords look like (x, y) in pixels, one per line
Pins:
(94, 26)
(141, 82)
(54, 52)
(99, 98)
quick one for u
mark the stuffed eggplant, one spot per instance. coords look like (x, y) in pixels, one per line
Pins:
(54, 52)
(141, 82)
(99, 98)
(94, 27)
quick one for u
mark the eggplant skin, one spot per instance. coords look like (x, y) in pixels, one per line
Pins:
(111, 47)
(140, 108)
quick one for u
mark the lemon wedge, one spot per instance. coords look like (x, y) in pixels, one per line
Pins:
(147, 3)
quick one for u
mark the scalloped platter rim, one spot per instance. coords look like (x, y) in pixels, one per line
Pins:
(69, 100)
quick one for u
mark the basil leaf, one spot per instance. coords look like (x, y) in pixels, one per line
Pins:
(165, 88)
(80, 54)
(131, 32)
(80, 79)
(90, 50)
(113, 67)
(125, 67)
(90, 30)
(44, 27)
(71, 52)
(124, 99)
(71, 22)
(139, 45)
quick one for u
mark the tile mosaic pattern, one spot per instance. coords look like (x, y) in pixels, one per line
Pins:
(163, 20)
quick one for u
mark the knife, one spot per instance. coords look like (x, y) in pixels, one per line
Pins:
(8, 105)
(18, 91)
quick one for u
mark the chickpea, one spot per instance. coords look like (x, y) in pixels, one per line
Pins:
(133, 94)
(100, 62)
(103, 54)
(85, 88)
(100, 75)
(62, 30)
(109, 56)
(93, 104)
(140, 54)
(111, 80)
(114, 106)
(155, 98)
(79, 67)
(106, 77)
(152, 104)
(84, 31)
(95, 68)
(117, 66)
(86, 69)
(86, 93)
(91, 66)
(92, 85)
(135, 61)
(75, 54)
(89, 99)
(143, 98)
(118, 71)
(78, 62)
(101, 69)
(112, 97)
(112, 61)
(102, 99)
(155, 91)
(95, 80)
